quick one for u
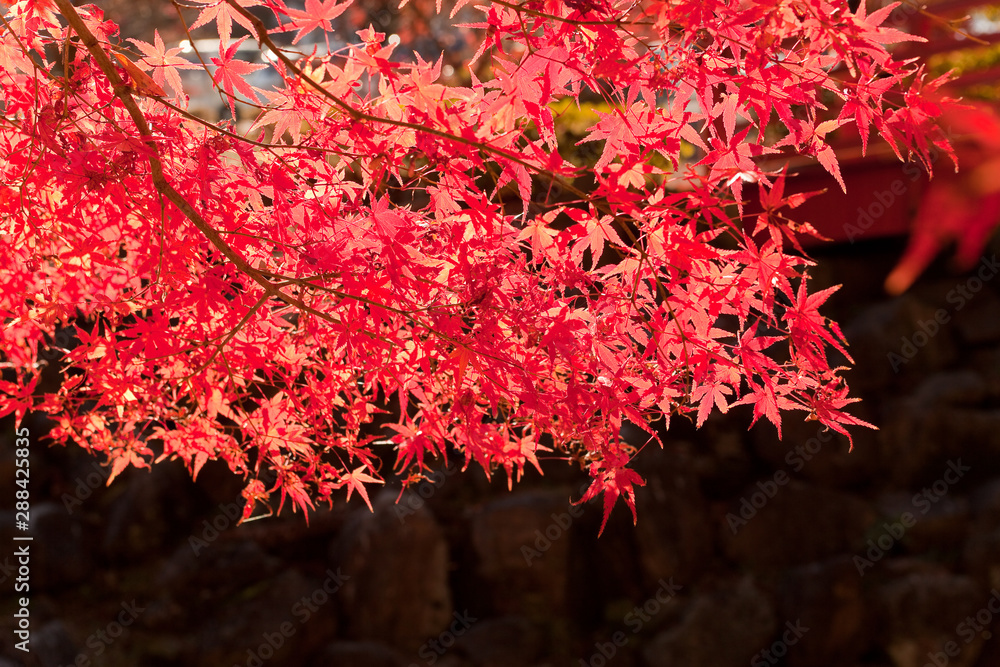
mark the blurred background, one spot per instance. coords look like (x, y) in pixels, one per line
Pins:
(748, 550)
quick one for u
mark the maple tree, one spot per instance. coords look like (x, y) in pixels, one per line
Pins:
(386, 260)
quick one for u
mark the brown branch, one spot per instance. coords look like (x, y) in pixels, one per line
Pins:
(164, 187)
(356, 115)
(521, 9)
(160, 181)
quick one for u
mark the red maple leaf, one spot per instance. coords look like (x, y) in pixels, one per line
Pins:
(826, 407)
(230, 74)
(317, 14)
(224, 14)
(163, 62)
(613, 479)
(241, 299)
(710, 396)
(808, 329)
(355, 481)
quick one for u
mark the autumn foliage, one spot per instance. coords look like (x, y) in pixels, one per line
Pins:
(387, 266)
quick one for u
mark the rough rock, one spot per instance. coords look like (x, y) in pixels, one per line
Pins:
(777, 526)
(920, 606)
(52, 645)
(217, 571)
(145, 514)
(358, 654)
(61, 548)
(280, 620)
(522, 543)
(920, 432)
(499, 642)
(981, 552)
(893, 328)
(981, 556)
(397, 564)
(674, 537)
(827, 598)
(724, 628)
(979, 321)
(940, 523)
(984, 503)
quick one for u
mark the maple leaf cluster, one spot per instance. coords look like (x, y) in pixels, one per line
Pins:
(386, 265)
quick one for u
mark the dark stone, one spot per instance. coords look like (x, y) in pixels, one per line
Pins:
(939, 523)
(985, 504)
(886, 329)
(828, 599)
(499, 642)
(986, 363)
(990, 655)
(673, 534)
(721, 458)
(52, 645)
(920, 606)
(219, 485)
(397, 564)
(938, 422)
(151, 509)
(288, 618)
(61, 548)
(979, 321)
(810, 451)
(957, 388)
(522, 542)
(981, 553)
(725, 628)
(215, 571)
(799, 524)
(358, 654)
